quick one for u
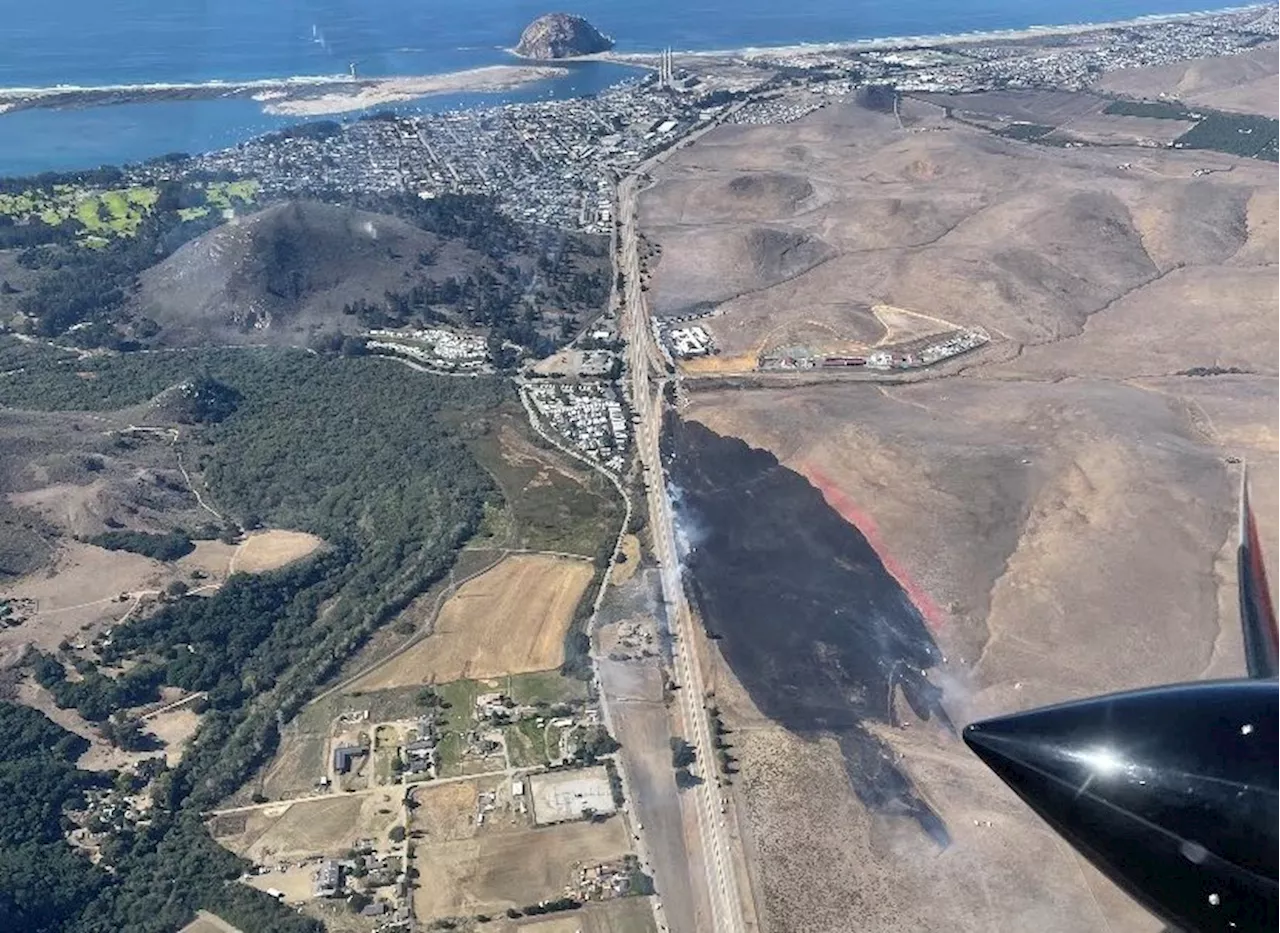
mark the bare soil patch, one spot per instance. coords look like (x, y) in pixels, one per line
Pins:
(323, 826)
(295, 883)
(511, 619)
(175, 729)
(269, 550)
(492, 872)
(206, 922)
(627, 569)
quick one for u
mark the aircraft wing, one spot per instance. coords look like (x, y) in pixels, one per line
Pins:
(1257, 614)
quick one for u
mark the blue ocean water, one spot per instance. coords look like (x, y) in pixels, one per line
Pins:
(92, 42)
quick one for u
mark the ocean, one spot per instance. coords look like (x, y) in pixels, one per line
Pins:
(91, 42)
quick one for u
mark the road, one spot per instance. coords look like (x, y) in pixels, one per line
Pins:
(646, 373)
(378, 789)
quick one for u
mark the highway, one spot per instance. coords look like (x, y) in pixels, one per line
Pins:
(648, 380)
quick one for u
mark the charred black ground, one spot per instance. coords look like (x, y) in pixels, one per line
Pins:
(816, 629)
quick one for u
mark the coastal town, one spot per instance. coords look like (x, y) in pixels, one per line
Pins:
(555, 162)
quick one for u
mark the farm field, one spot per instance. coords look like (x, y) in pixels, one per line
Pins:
(493, 871)
(627, 915)
(511, 619)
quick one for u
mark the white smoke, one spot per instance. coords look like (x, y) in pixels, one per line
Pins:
(690, 532)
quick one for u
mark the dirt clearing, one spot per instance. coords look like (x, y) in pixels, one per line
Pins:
(325, 826)
(511, 619)
(206, 922)
(268, 550)
(630, 553)
(175, 729)
(492, 872)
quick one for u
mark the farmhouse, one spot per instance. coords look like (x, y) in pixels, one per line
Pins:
(344, 757)
(328, 879)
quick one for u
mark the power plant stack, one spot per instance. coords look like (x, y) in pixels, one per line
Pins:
(666, 71)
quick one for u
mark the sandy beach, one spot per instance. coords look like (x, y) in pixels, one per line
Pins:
(649, 59)
(380, 92)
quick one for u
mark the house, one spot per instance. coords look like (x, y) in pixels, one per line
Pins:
(345, 755)
(328, 879)
(420, 754)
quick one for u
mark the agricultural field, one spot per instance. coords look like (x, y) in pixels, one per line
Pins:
(495, 871)
(627, 915)
(511, 619)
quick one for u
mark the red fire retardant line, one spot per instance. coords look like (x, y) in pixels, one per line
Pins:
(843, 504)
(1258, 568)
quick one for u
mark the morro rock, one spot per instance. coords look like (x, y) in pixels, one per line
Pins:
(561, 35)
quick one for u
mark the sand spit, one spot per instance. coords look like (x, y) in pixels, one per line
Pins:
(383, 91)
(297, 96)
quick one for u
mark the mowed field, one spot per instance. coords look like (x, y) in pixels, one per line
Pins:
(511, 619)
(324, 826)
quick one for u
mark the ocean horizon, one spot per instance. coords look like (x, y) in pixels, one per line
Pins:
(88, 43)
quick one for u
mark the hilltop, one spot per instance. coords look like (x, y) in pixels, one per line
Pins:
(301, 268)
(277, 274)
(561, 35)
